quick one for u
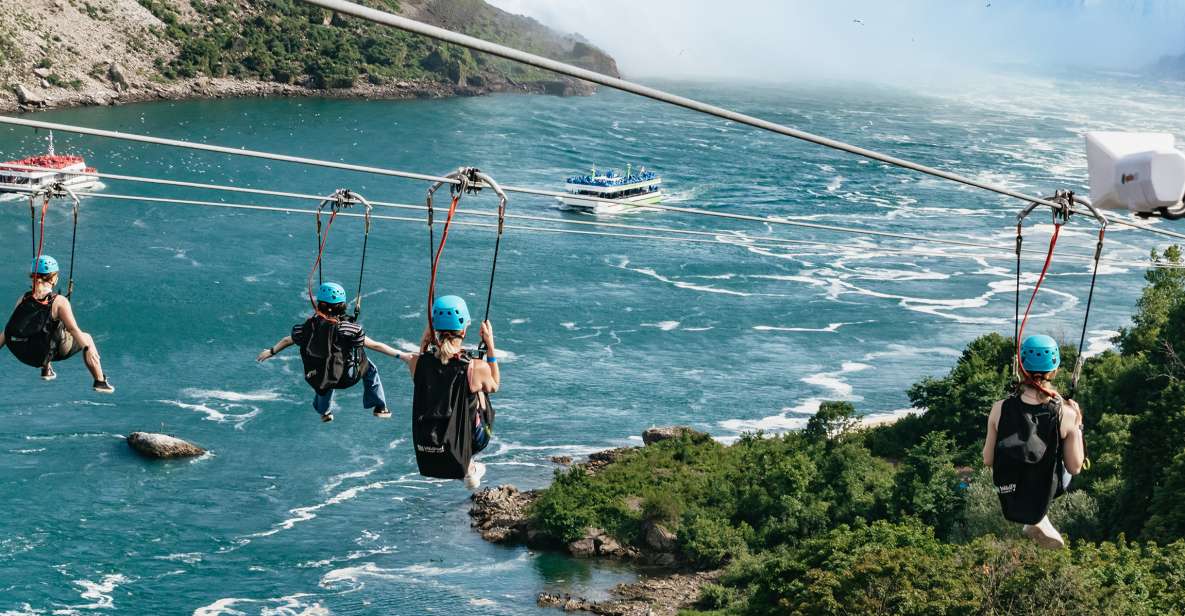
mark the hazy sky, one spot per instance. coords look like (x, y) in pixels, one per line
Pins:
(859, 39)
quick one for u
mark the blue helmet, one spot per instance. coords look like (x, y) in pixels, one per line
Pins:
(331, 293)
(450, 314)
(1040, 354)
(44, 265)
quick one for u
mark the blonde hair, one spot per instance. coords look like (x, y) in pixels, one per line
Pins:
(46, 278)
(448, 344)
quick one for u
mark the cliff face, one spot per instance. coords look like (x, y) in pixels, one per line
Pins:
(77, 52)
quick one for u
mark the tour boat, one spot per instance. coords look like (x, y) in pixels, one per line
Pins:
(630, 191)
(39, 172)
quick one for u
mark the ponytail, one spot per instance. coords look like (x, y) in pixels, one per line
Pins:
(448, 345)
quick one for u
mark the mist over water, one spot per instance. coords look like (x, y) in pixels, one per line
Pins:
(911, 41)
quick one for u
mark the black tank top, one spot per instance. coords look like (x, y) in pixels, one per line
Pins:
(1028, 462)
(444, 412)
(31, 330)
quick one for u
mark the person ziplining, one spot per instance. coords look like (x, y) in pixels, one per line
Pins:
(452, 418)
(1034, 443)
(332, 344)
(42, 328)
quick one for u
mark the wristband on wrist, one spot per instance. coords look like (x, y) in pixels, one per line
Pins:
(272, 351)
(491, 360)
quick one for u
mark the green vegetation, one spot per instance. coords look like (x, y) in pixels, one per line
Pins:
(903, 519)
(287, 41)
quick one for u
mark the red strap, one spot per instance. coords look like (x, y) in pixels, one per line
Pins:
(40, 247)
(1020, 334)
(452, 209)
(317, 263)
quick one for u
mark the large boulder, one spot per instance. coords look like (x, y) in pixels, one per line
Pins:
(163, 446)
(654, 435)
(659, 538)
(597, 542)
(118, 76)
(27, 98)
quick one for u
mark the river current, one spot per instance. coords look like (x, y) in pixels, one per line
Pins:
(601, 337)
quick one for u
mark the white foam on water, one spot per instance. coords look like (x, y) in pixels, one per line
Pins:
(482, 602)
(338, 479)
(645, 271)
(233, 396)
(292, 605)
(309, 512)
(1099, 341)
(188, 558)
(519, 321)
(835, 183)
(215, 415)
(697, 329)
(830, 329)
(98, 593)
(665, 326)
(25, 608)
(789, 278)
(901, 351)
(355, 555)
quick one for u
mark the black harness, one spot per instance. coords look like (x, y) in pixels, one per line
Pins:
(32, 332)
(444, 413)
(1028, 466)
(328, 363)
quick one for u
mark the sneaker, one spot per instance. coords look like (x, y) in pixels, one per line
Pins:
(104, 387)
(476, 471)
(382, 413)
(327, 417)
(1045, 535)
(47, 373)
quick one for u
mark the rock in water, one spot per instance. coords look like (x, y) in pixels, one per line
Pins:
(156, 445)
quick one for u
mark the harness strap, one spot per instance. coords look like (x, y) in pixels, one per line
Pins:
(1041, 279)
(321, 241)
(1094, 274)
(73, 243)
(448, 221)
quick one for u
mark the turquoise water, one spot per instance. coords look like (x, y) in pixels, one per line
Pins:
(602, 337)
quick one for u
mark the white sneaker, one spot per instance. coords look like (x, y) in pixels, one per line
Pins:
(1045, 535)
(477, 470)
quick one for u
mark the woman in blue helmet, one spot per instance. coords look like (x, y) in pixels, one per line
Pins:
(452, 418)
(42, 328)
(332, 349)
(1034, 443)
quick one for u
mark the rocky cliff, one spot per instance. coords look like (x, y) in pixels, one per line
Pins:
(79, 52)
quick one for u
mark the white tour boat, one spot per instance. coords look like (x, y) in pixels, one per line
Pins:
(630, 191)
(39, 172)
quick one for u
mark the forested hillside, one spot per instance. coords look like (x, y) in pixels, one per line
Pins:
(65, 52)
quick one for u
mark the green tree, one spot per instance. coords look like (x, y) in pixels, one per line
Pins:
(927, 484)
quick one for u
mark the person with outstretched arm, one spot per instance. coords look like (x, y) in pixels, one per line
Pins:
(333, 351)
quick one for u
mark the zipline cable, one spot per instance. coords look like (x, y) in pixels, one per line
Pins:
(815, 226)
(735, 237)
(527, 191)
(425, 177)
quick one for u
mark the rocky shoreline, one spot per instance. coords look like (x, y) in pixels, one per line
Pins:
(26, 98)
(501, 515)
